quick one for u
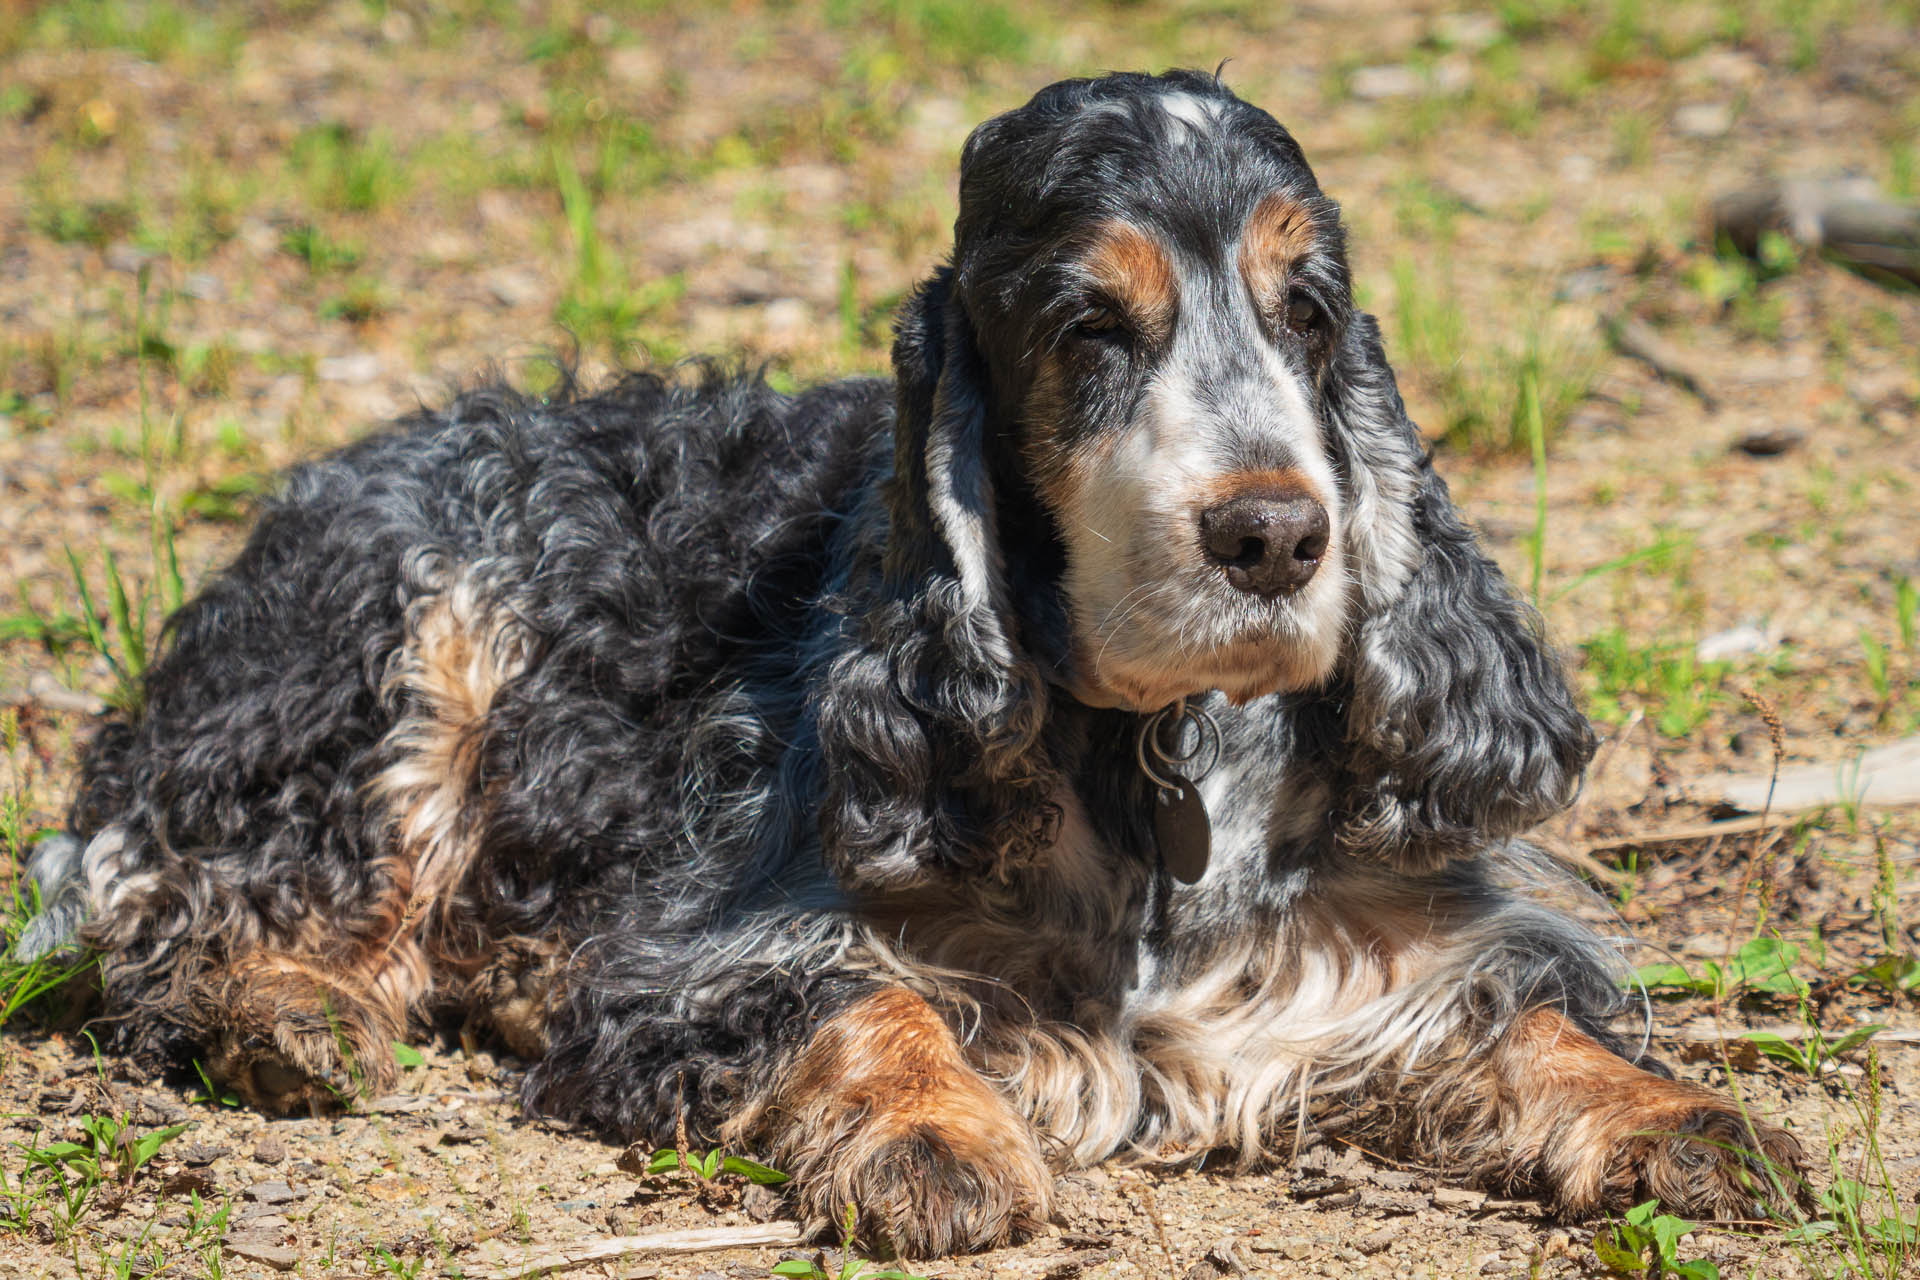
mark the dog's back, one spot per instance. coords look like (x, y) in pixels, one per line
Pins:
(532, 596)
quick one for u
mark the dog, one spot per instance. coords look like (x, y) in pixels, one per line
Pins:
(1104, 739)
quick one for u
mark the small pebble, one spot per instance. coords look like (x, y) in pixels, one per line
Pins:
(272, 1193)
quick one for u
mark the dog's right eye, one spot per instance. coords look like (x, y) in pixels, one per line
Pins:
(1100, 323)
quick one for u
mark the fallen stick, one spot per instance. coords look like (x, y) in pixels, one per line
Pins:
(696, 1240)
(43, 691)
(1697, 831)
(1638, 339)
(1885, 776)
(1786, 1031)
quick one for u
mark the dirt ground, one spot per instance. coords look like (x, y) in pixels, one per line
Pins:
(231, 237)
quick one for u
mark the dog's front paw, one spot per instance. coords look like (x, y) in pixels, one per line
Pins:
(880, 1110)
(929, 1191)
(1690, 1149)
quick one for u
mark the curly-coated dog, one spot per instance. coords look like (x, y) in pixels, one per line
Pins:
(1104, 739)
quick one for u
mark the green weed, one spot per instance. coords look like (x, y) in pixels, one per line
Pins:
(1815, 1055)
(21, 984)
(1647, 1243)
(1861, 1230)
(1760, 966)
(600, 305)
(957, 33)
(322, 253)
(1486, 394)
(361, 300)
(393, 1266)
(712, 1165)
(1536, 436)
(211, 1093)
(1873, 661)
(852, 1265)
(158, 31)
(69, 1174)
(95, 223)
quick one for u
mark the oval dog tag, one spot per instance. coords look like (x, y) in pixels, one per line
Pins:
(1182, 831)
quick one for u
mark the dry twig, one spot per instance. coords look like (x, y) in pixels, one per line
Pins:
(696, 1240)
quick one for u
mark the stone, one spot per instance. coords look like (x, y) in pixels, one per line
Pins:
(279, 1257)
(1703, 119)
(272, 1193)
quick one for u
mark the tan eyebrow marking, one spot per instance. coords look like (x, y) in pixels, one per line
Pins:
(1135, 269)
(1279, 233)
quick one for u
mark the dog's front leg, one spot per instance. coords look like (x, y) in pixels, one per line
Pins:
(1553, 1110)
(879, 1109)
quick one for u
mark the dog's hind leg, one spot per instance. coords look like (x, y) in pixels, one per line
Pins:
(319, 1013)
(277, 880)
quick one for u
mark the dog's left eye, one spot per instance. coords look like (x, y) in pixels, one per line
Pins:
(1303, 313)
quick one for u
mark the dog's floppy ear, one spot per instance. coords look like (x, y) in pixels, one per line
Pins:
(1458, 721)
(929, 711)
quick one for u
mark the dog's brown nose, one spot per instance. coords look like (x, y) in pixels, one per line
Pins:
(1267, 546)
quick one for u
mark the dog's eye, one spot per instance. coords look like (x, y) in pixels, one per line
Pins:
(1303, 313)
(1100, 322)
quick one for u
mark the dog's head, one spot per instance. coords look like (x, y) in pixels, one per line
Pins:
(1157, 289)
(1153, 451)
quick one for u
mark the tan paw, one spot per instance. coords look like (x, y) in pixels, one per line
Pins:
(881, 1110)
(916, 1196)
(1698, 1156)
(290, 1041)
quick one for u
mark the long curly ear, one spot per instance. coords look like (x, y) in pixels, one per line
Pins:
(1459, 724)
(929, 713)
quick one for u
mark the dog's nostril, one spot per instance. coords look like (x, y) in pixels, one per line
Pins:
(1266, 545)
(1251, 552)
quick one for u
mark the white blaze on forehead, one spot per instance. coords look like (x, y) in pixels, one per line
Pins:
(1197, 114)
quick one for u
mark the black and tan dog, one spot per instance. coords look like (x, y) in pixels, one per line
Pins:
(1102, 740)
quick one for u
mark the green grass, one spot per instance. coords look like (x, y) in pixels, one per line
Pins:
(957, 33)
(344, 171)
(601, 307)
(1625, 671)
(157, 30)
(1491, 391)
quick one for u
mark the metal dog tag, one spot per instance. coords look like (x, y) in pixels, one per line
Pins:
(1182, 830)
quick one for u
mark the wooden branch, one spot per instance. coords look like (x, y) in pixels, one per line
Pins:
(43, 691)
(1696, 831)
(1697, 1034)
(1846, 219)
(1880, 778)
(695, 1240)
(1638, 339)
